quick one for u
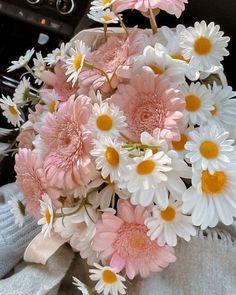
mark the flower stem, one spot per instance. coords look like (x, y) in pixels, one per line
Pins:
(122, 24)
(105, 32)
(153, 21)
(134, 146)
(92, 67)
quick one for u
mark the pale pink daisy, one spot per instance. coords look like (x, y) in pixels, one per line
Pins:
(32, 182)
(149, 102)
(58, 81)
(123, 241)
(68, 143)
(25, 138)
(175, 7)
(117, 51)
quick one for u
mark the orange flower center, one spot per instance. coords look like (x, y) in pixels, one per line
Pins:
(209, 149)
(106, 18)
(77, 63)
(47, 216)
(104, 123)
(179, 56)
(168, 214)
(213, 184)
(12, 110)
(203, 46)
(146, 167)
(156, 70)
(179, 145)
(52, 106)
(112, 156)
(214, 111)
(109, 277)
(193, 103)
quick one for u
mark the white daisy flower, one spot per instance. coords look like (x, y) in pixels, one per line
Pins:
(75, 60)
(224, 106)
(198, 105)
(212, 197)
(39, 67)
(209, 148)
(156, 60)
(18, 210)
(179, 145)
(176, 52)
(103, 16)
(46, 210)
(57, 54)
(22, 62)
(107, 120)
(204, 46)
(10, 111)
(22, 91)
(168, 224)
(50, 98)
(110, 158)
(101, 4)
(83, 288)
(109, 281)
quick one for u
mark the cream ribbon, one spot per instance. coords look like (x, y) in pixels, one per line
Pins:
(41, 249)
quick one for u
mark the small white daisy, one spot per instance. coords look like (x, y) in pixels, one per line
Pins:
(75, 60)
(22, 62)
(109, 281)
(212, 197)
(83, 288)
(209, 148)
(101, 4)
(224, 106)
(18, 210)
(50, 98)
(46, 210)
(107, 120)
(57, 54)
(168, 224)
(205, 46)
(22, 91)
(39, 67)
(179, 145)
(156, 60)
(103, 16)
(110, 158)
(10, 111)
(198, 101)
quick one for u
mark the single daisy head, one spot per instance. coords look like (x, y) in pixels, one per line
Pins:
(210, 148)
(167, 224)
(109, 281)
(101, 4)
(57, 54)
(18, 210)
(107, 120)
(22, 91)
(212, 197)
(51, 99)
(104, 17)
(75, 60)
(205, 46)
(39, 67)
(22, 61)
(10, 111)
(198, 103)
(47, 213)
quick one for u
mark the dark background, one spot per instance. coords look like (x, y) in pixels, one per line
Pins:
(17, 35)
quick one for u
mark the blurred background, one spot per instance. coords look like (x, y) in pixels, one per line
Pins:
(44, 24)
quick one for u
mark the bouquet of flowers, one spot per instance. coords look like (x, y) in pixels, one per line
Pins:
(128, 145)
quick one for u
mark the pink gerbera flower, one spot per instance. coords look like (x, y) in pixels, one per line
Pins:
(175, 7)
(118, 50)
(68, 143)
(124, 242)
(32, 182)
(149, 102)
(58, 81)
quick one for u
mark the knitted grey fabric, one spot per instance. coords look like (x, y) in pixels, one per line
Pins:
(13, 240)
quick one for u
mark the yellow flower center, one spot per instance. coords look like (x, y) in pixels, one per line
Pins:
(137, 242)
(77, 62)
(47, 216)
(104, 122)
(168, 214)
(179, 57)
(156, 70)
(112, 156)
(202, 46)
(213, 184)
(209, 149)
(106, 18)
(106, 1)
(52, 106)
(214, 111)
(146, 167)
(193, 103)
(109, 277)
(179, 145)
(12, 110)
